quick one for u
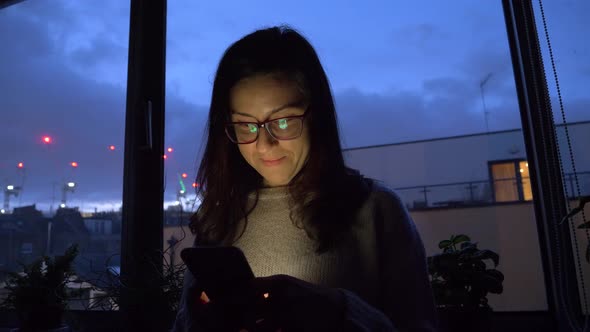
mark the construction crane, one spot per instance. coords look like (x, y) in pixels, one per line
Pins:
(181, 194)
(10, 190)
(68, 187)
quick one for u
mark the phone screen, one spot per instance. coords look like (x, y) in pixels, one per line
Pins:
(217, 269)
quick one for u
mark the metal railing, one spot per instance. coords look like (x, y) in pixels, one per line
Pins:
(484, 192)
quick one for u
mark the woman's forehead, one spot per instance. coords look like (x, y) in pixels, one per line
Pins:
(263, 95)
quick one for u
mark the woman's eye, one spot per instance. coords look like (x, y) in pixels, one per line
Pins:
(252, 128)
(283, 123)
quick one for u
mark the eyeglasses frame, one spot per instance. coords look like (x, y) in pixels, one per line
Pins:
(263, 125)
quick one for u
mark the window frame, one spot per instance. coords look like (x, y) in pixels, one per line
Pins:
(142, 305)
(517, 177)
(548, 189)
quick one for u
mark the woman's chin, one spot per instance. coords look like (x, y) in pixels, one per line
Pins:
(276, 182)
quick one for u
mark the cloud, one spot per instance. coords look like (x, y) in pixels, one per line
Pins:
(43, 93)
(64, 72)
(101, 49)
(444, 107)
(421, 36)
(371, 119)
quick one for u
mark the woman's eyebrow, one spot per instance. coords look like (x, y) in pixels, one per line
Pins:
(278, 109)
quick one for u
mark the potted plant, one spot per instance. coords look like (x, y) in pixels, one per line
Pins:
(461, 280)
(108, 287)
(39, 294)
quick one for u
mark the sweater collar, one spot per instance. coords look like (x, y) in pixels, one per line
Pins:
(271, 193)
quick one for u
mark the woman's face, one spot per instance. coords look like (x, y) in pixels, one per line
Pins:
(267, 97)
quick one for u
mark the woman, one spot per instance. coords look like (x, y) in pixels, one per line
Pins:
(334, 250)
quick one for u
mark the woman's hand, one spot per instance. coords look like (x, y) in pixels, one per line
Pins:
(288, 304)
(276, 303)
(229, 313)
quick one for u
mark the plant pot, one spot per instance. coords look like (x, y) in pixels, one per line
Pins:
(459, 319)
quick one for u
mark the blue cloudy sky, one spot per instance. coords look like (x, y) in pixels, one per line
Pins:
(399, 70)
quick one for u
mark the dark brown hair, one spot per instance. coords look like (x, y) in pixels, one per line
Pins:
(325, 192)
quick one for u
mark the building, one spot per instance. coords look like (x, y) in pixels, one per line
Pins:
(23, 237)
(473, 169)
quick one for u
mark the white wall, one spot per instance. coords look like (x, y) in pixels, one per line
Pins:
(580, 143)
(459, 159)
(437, 161)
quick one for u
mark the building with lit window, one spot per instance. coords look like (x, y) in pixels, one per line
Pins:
(467, 170)
(479, 185)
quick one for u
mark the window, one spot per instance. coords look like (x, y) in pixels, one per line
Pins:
(525, 180)
(63, 74)
(511, 181)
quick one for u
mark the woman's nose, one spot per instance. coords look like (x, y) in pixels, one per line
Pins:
(265, 141)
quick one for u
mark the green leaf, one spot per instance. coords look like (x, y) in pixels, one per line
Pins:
(496, 274)
(444, 263)
(468, 244)
(460, 238)
(487, 254)
(493, 281)
(478, 265)
(585, 225)
(467, 252)
(445, 244)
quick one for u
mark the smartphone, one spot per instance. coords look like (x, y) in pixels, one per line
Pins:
(217, 269)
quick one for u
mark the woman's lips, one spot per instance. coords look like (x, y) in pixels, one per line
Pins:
(272, 162)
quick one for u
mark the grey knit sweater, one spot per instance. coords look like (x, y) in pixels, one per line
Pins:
(380, 268)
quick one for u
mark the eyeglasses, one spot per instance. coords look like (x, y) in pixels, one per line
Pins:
(282, 129)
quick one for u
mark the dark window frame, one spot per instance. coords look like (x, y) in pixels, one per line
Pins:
(142, 300)
(547, 185)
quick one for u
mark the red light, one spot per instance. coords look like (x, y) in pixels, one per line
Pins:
(165, 157)
(47, 139)
(112, 148)
(184, 175)
(170, 149)
(74, 164)
(195, 185)
(20, 165)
